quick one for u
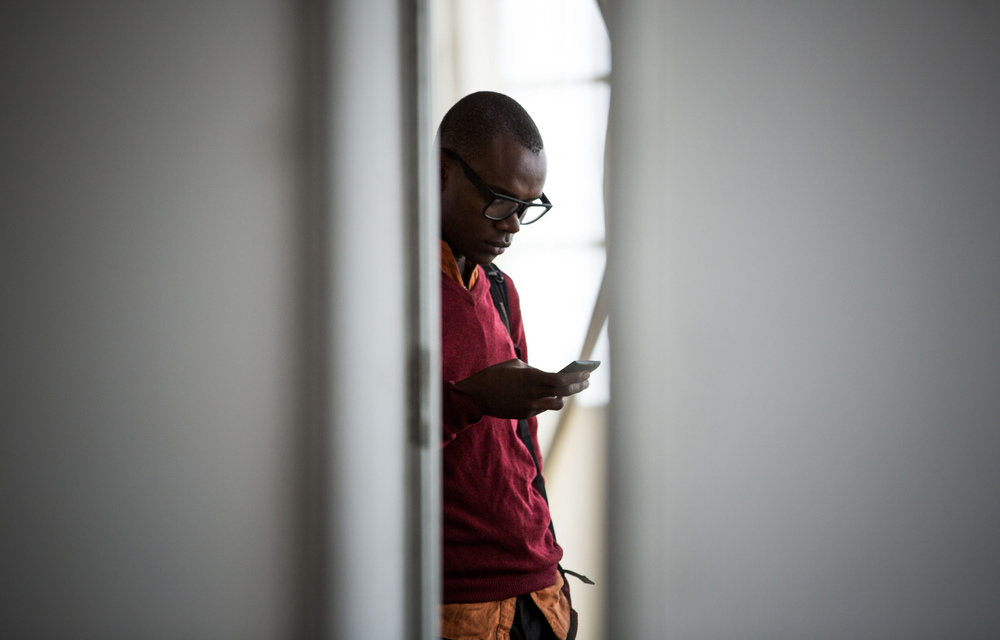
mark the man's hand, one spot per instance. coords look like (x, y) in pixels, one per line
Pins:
(512, 389)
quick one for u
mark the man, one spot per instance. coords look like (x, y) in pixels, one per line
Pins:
(501, 576)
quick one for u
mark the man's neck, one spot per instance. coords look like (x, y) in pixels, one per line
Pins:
(465, 268)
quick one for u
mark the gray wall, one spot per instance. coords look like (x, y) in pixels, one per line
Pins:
(148, 255)
(805, 435)
(204, 347)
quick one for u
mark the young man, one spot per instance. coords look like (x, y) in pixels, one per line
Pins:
(501, 576)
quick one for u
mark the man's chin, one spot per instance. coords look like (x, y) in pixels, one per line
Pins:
(483, 260)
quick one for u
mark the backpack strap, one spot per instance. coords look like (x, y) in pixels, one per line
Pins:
(498, 291)
(501, 300)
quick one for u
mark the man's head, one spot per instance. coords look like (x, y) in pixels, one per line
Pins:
(478, 118)
(502, 152)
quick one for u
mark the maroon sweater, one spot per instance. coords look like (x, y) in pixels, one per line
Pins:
(496, 538)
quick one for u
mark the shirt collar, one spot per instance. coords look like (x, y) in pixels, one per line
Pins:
(449, 266)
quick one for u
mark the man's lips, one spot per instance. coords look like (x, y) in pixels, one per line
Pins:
(498, 247)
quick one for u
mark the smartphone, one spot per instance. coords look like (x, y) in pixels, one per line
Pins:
(581, 365)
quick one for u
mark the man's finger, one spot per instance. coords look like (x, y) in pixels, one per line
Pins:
(552, 403)
(570, 389)
(573, 377)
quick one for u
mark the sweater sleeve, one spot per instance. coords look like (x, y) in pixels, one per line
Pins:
(460, 412)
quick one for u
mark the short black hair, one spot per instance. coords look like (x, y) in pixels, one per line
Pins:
(472, 124)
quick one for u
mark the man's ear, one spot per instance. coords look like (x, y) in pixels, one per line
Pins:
(445, 166)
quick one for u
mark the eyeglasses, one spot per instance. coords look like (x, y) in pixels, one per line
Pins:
(498, 206)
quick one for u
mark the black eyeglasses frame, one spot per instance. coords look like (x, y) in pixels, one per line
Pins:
(492, 196)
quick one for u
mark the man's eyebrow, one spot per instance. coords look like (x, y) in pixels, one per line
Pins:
(498, 189)
(503, 192)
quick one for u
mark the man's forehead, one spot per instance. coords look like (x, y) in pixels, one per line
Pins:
(504, 157)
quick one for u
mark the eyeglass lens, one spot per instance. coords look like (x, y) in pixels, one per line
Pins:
(501, 208)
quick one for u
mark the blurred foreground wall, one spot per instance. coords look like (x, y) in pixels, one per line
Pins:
(805, 434)
(204, 329)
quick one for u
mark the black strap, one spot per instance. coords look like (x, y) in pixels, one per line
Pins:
(498, 291)
(501, 300)
(579, 576)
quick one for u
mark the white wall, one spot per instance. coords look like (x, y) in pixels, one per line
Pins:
(206, 336)
(805, 438)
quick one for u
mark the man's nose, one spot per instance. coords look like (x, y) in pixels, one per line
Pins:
(510, 224)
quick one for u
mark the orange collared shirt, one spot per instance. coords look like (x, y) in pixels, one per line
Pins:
(450, 267)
